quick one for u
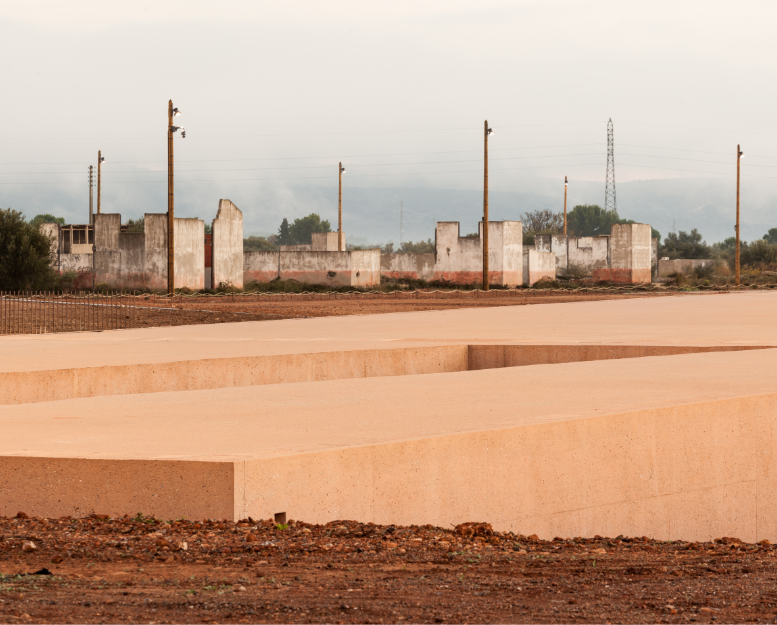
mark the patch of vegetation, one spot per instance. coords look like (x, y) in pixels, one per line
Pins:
(136, 225)
(25, 255)
(46, 218)
(261, 244)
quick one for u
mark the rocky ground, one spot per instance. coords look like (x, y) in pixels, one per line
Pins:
(142, 570)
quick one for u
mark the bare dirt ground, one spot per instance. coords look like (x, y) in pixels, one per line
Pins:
(142, 570)
(195, 310)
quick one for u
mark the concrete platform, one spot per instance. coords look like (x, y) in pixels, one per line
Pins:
(51, 367)
(669, 446)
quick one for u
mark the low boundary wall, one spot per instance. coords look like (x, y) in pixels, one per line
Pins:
(355, 268)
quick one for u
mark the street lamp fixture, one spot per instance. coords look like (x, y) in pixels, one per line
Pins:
(490, 131)
(176, 112)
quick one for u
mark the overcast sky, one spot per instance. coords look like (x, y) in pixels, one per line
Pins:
(274, 94)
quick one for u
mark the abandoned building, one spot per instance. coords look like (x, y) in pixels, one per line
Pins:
(105, 253)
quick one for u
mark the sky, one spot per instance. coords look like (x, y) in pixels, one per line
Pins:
(274, 95)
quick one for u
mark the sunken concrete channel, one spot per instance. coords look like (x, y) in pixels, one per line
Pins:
(215, 373)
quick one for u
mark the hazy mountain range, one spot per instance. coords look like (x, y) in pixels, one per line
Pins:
(371, 214)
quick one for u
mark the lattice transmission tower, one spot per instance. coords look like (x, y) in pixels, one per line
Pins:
(610, 203)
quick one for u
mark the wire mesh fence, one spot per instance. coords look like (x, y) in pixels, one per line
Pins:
(43, 312)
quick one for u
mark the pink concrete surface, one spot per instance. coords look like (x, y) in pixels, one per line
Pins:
(23, 387)
(672, 447)
(715, 319)
(680, 446)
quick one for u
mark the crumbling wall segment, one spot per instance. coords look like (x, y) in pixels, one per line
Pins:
(228, 245)
(190, 254)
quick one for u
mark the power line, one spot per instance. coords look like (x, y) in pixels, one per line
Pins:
(472, 160)
(416, 173)
(294, 134)
(288, 158)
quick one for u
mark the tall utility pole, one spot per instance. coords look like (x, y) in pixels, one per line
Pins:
(401, 222)
(566, 184)
(91, 211)
(100, 160)
(486, 131)
(610, 203)
(170, 204)
(340, 172)
(740, 154)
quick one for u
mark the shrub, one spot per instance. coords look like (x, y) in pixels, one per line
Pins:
(677, 278)
(574, 272)
(25, 255)
(703, 272)
(759, 252)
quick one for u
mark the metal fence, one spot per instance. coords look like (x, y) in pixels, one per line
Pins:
(42, 312)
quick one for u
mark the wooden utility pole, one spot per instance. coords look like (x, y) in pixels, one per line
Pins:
(340, 208)
(740, 154)
(566, 184)
(486, 131)
(170, 204)
(91, 210)
(100, 160)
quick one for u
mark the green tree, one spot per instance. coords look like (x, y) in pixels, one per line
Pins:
(136, 225)
(25, 254)
(303, 227)
(759, 252)
(590, 220)
(284, 233)
(260, 244)
(543, 222)
(771, 236)
(46, 218)
(208, 229)
(422, 247)
(685, 245)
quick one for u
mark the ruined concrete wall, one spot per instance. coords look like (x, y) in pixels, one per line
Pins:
(119, 257)
(319, 242)
(325, 241)
(261, 266)
(682, 265)
(512, 253)
(156, 251)
(537, 265)
(365, 267)
(414, 266)
(586, 253)
(228, 245)
(459, 260)
(52, 232)
(81, 265)
(333, 268)
(357, 268)
(190, 254)
(107, 258)
(630, 250)
(589, 253)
